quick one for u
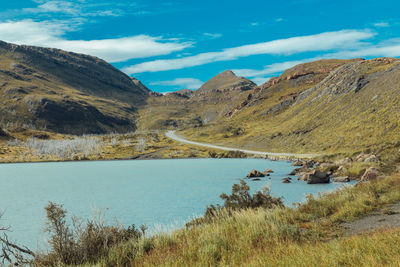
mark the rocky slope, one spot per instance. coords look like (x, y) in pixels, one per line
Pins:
(280, 92)
(187, 108)
(324, 106)
(224, 86)
(65, 92)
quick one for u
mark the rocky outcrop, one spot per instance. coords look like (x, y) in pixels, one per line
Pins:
(255, 173)
(366, 158)
(286, 180)
(370, 174)
(302, 76)
(350, 77)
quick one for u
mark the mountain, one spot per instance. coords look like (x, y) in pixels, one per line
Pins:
(226, 81)
(282, 91)
(323, 106)
(187, 108)
(65, 92)
(224, 86)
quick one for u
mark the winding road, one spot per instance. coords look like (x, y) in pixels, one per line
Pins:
(174, 136)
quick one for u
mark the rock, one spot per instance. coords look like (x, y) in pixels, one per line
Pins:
(304, 177)
(371, 158)
(316, 177)
(341, 179)
(286, 180)
(299, 171)
(341, 168)
(268, 171)
(344, 161)
(370, 174)
(256, 179)
(326, 165)
(362, 157)
(255, 173)
(310, 163)
(298, 163)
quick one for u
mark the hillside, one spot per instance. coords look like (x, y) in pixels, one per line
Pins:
(192, 109)
(351, 106)
(43, 88)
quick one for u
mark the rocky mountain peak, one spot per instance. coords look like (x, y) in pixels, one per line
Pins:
(227, 81)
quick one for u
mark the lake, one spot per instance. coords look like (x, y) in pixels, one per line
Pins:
(163, 194)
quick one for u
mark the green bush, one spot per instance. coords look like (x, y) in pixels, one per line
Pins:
(80, 243)
(240, 199)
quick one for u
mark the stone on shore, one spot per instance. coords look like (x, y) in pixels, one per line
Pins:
(286, 180)
(341, 179)
(316, 177)
(299, 171)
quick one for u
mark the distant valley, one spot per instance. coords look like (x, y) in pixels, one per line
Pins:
(326, 106)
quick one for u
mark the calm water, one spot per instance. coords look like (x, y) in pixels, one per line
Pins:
(163, 194)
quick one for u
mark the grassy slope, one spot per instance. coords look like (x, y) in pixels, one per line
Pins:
(370, 116)
(305, 236)
(77, 84)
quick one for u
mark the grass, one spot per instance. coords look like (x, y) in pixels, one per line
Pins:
(317, 126)
(37, 146)
(308, 235)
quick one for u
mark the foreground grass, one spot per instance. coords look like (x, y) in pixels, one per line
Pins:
(308, 235)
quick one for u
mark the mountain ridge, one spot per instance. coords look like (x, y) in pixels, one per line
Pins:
(66, 92)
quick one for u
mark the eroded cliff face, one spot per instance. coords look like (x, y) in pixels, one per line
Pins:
(66, 92)
(282, 91)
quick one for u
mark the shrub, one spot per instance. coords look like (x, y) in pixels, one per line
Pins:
(240, 199)
(80, 243)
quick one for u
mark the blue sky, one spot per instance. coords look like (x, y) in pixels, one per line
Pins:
(172, 45)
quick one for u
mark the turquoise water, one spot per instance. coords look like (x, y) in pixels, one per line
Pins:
(162, 194)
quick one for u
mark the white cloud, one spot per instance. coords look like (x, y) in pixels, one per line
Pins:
(54, 7)
(260, 80)
(345, 39)
(181, 83)
(212, 35)
(388, 48)
(279, 20)
(75, 9)
(382, 50)
(381, 24)
(269, 69)
(255, 24)
(49, 34)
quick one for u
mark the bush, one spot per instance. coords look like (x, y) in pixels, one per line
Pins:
(240, 199)
(81, 243)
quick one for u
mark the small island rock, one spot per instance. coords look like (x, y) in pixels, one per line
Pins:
(268, 171)
(255, 173)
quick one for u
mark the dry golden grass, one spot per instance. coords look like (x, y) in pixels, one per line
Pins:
(309, 235)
